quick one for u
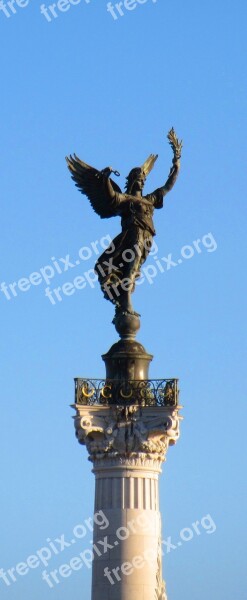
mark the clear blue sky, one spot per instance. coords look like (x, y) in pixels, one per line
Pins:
(110, 89)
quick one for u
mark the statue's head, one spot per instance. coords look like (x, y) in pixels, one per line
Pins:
(135, 181)
(137, 176)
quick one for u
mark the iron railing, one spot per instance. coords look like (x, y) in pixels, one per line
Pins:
(151, 392)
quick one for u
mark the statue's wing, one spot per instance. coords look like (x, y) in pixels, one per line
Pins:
(91, 182)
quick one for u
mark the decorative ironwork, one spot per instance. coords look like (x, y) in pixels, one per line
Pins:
(155, 392)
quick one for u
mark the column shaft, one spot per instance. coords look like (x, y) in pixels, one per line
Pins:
(129, 568)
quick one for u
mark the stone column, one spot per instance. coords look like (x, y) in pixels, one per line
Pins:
(127, 445)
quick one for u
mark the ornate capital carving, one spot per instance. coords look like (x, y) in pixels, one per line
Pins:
(130, 435)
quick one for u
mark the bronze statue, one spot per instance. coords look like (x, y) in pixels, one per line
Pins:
(119, 266)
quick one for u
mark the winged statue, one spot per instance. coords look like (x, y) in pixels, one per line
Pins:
(120, 264)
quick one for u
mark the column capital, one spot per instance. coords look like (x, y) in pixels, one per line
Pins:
(128, 436)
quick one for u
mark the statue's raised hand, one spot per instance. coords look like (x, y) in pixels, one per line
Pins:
(175, 144)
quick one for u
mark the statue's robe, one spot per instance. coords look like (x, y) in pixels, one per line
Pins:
(116, 263)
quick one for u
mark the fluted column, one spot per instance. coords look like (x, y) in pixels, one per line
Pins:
(127, 446)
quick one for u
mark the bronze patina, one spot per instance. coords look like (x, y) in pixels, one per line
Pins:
(119, 266)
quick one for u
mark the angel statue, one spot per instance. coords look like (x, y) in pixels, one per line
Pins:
(119, 265)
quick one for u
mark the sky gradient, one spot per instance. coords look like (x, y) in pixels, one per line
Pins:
(110, 89)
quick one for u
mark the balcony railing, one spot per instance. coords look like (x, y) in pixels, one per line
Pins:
(151, 392)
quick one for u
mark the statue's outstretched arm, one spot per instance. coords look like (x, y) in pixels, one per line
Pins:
(172, 178)
(176, 145)
(109, 189)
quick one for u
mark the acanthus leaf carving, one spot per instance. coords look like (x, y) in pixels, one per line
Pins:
(116, 432)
